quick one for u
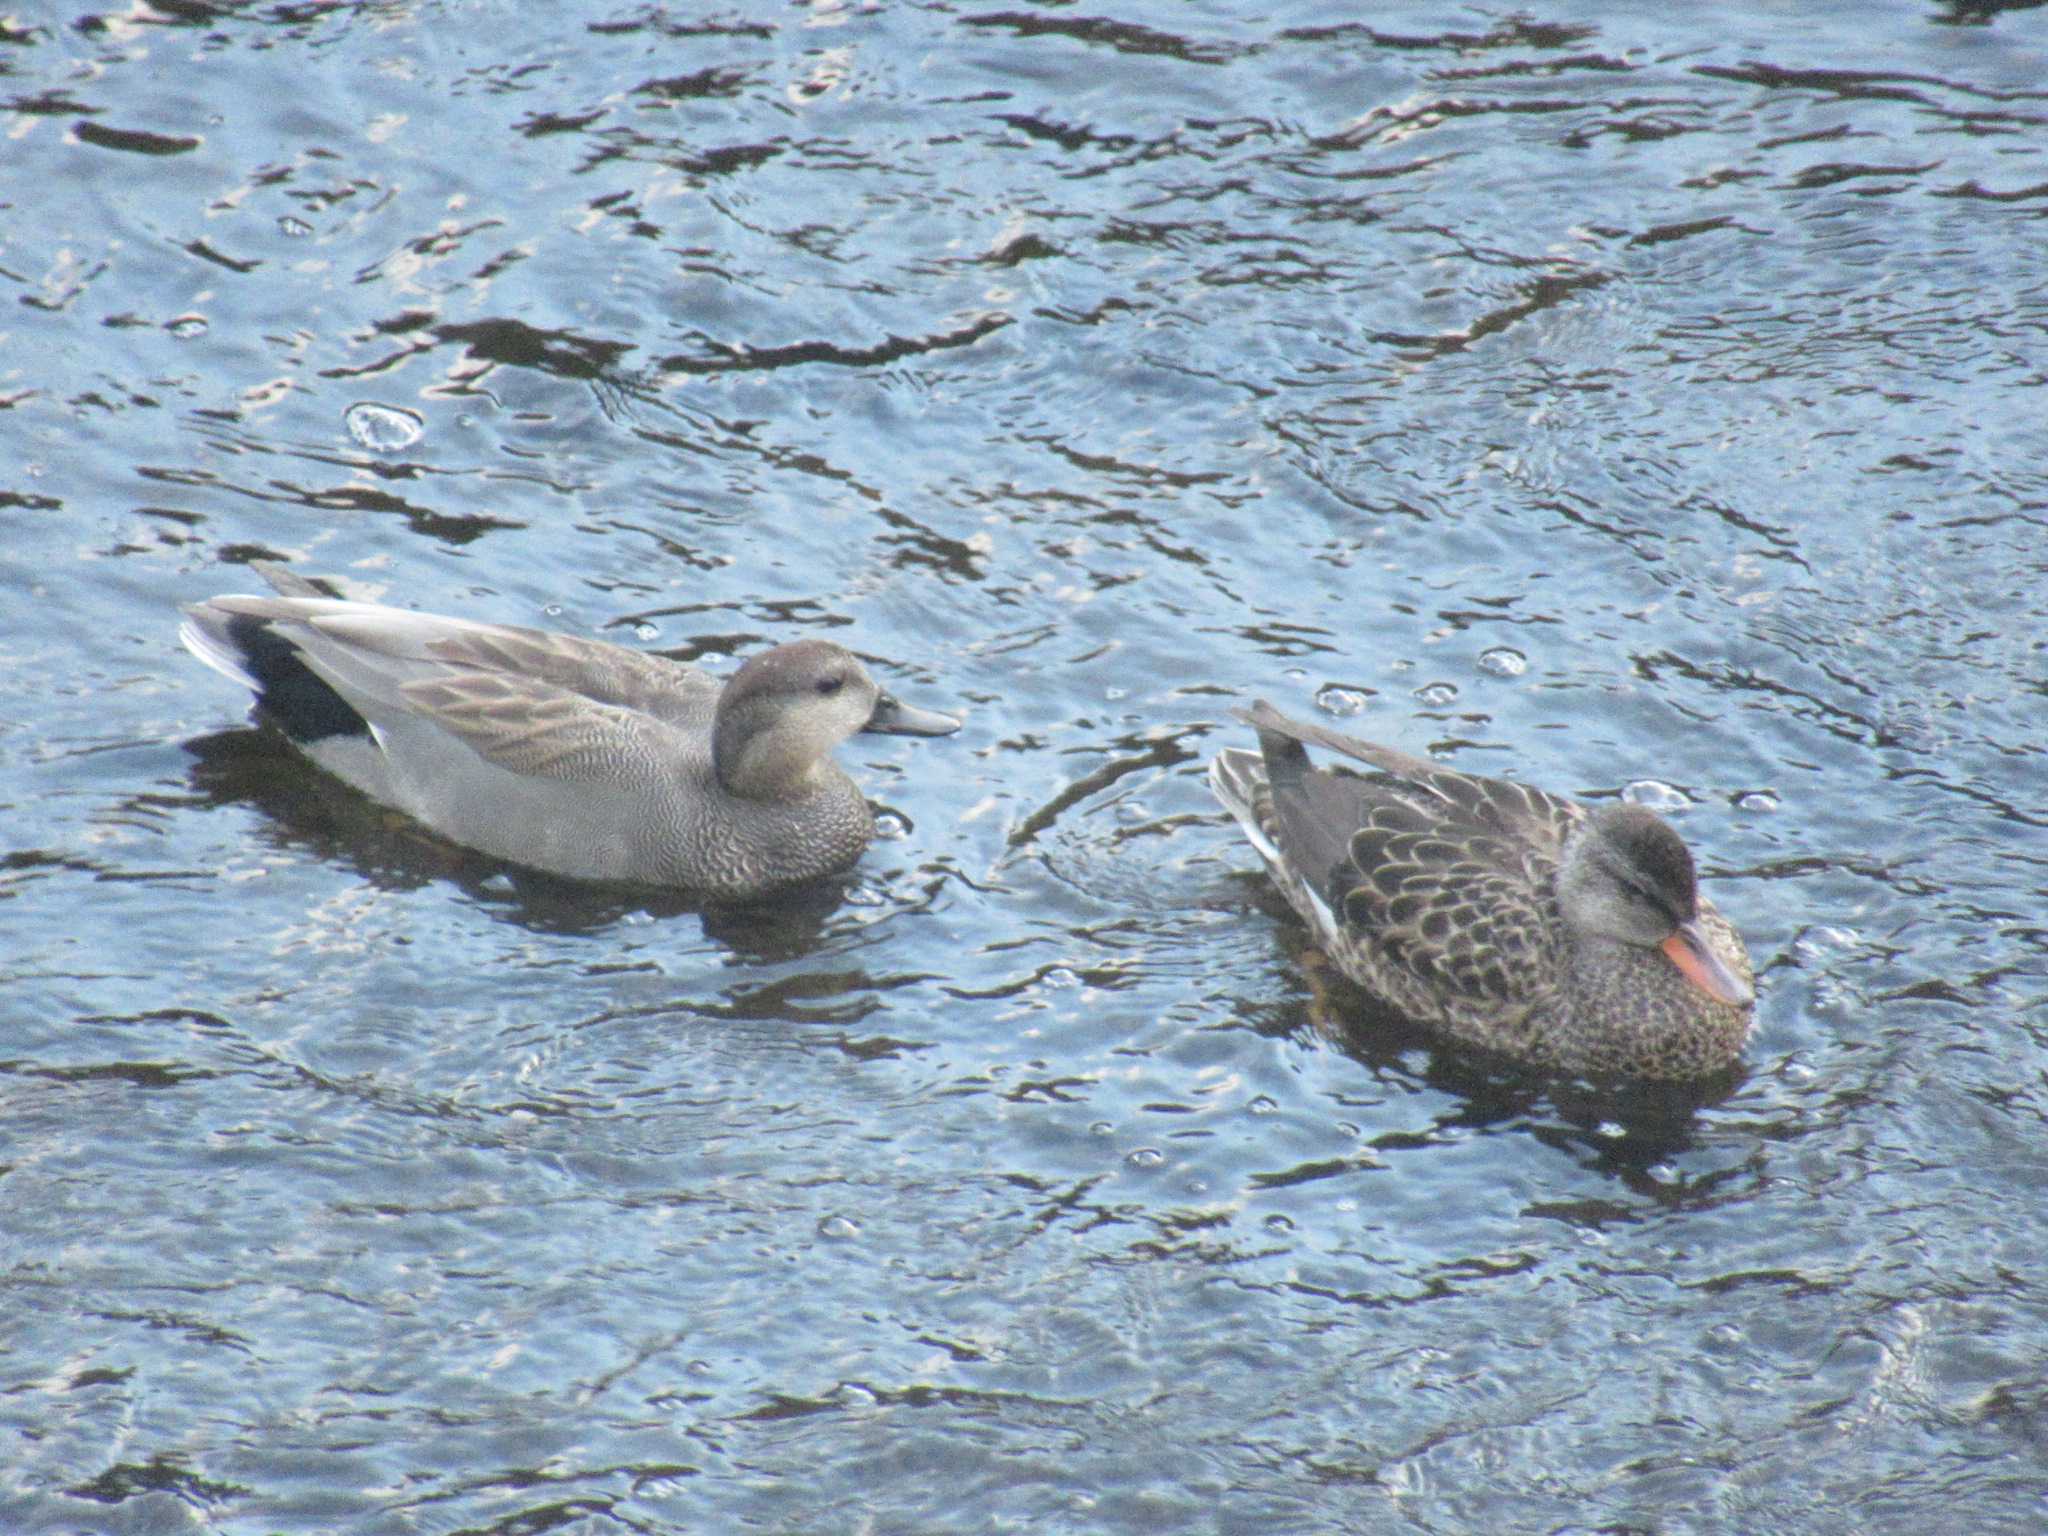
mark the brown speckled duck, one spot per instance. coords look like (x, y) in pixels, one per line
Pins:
(565, 754)
(1571, 937)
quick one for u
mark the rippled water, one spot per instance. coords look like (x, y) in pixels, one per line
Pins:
(1614, 397)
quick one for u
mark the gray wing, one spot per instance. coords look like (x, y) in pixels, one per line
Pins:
(534, 703)
(537, 730)
(590, 669)
(608, 674)
(377, 649)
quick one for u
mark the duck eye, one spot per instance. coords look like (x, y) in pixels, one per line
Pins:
(827, 686)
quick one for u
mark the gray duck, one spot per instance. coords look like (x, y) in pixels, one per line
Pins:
(567, 755)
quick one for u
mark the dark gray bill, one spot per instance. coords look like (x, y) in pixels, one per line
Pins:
(892, 717)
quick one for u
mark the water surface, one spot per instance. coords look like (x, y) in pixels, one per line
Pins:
(1624, 399)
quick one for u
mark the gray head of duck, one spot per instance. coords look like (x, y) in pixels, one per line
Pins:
(787, 708)
(1628, 877)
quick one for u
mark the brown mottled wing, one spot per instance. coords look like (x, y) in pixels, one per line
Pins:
(535, 728)
(1447, 875)
(1461, 908)
(1515, 809)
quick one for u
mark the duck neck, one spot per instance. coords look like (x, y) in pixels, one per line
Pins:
(772, 764)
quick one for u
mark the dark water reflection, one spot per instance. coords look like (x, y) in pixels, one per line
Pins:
(1618, 399)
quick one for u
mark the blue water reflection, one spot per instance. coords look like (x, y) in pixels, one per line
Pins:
(1092, 372)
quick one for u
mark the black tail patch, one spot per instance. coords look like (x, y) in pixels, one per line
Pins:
(289, 693)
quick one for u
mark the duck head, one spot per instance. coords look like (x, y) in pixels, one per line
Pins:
(787, 708)
(1627, 876)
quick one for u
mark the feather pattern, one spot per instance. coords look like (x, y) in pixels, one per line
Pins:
(1502, 915)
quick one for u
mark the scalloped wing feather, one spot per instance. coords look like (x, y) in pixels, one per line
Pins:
(1465, 913)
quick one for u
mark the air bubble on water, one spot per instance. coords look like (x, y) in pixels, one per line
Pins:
(1437, 694)
(1820, 940)
(1340, 701)
(1756, 800)
(186, 327)
(383, 428)
(1503, 661)
(296, 228)
(1655, 794)
(1146, 1157)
